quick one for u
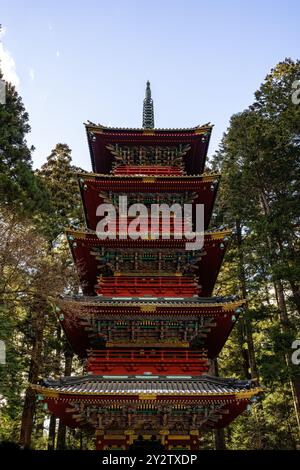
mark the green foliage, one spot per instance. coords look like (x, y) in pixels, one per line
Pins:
(258, 199)
(20, 188)
(259, 161)
(59, 177)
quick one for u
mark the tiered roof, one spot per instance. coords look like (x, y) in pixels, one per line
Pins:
(99, 137)
(88, 251)
(146, 324)
(207, 321)
(97, 189)
(154, 386)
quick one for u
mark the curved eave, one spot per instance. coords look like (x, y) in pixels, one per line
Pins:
(144, 303)
(62, 404)
(210, 235)
(81, 243)
(203, 188)
(98, 136)
(223, 315)
(140, 130)
(205, 177)
(57, 394)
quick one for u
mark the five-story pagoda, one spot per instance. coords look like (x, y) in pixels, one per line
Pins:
(146, 323)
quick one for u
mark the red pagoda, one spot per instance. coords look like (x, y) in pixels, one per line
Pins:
(146, 323)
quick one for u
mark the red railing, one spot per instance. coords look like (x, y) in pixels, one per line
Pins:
(140, 361)
(147, 170)
(174, 286)
(155, 224)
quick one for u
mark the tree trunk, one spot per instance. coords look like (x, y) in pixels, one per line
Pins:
(218, 433)
(29, 406)
(245, 320)
(52, 424)
(295, 288)
(61, 433)
(51, 434)
(294, 381)
(283, 315)
(296, 294)
(240, 327)
(219, 439)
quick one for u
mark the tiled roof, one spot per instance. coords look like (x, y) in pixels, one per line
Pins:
(95, 176)
(90, 124)
(163, 301)
(163, 385)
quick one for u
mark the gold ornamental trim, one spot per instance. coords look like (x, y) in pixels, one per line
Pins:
(149, 179)
(77, 233)
(148, 308)
(95, 129)
(246, 394)
(224, 307)
(148, 131)
(144, 344)
(51, 393)
(174, 130)
(204, 177)
(240, 395)
(216, 235)
(114, 436)
(233, 305)
(147, 396)
(202, 129)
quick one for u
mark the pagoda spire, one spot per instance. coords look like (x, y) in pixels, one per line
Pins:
(148, 109)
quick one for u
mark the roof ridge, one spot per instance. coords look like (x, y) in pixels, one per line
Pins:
(90, 124)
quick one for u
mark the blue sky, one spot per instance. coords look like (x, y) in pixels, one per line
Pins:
(76, 61)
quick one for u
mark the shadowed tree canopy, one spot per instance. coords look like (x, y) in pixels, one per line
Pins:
(258, 198)
(259, 158)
